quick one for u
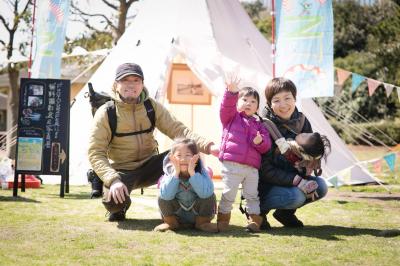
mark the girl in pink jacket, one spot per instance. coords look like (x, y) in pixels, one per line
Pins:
(244, 139)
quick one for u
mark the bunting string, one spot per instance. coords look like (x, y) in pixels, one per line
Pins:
(372, 84)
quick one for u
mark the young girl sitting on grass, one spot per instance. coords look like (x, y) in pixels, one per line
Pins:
(186, 190)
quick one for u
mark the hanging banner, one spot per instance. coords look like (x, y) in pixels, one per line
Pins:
(50, 35)
(304, 45)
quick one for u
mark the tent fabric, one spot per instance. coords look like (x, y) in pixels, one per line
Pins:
(214, 37)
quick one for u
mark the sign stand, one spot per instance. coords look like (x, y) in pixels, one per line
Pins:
(43, 131)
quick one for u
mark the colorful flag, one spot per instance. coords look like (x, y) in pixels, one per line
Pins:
(356, 80)
(342, 75)
(378, 166)
(49, 39)
(389, 88)
(390, 160)
(304, 45)
(372, 85)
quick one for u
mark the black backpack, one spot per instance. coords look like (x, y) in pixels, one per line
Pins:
(98, 99)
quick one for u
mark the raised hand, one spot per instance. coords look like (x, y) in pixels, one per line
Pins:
(175, 163)
(258, 139)
(232, 83)
(192, 164)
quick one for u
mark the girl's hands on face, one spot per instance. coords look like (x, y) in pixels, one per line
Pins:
(192, 164)
(175, 163)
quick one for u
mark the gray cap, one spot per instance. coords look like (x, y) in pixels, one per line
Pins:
(128, 69)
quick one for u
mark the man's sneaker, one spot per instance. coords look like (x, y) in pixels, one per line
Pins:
(264, 223)
(117, 216)
(288, 218)
(120, 215)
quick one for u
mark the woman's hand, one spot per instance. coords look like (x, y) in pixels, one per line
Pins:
(118, 191)
(176, 164)
(192, 164)
(232, 83)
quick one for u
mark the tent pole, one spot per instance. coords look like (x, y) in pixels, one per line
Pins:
(273, 37)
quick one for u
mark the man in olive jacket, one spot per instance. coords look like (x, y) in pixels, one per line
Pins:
(132, 161)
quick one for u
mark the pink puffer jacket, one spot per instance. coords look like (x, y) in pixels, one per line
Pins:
(239, 130)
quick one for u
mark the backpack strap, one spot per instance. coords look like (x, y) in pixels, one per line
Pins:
(112, 119)
(151, 114)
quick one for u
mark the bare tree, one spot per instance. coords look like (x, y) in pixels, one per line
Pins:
(21, 13)
(117, 25)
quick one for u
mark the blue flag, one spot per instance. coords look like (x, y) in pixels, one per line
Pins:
(50, 35)
(356, 80)
(304, 45)
(390, 160)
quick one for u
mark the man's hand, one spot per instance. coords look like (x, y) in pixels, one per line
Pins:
(258, 139)
(192, 164)
(118, 191)
(176, 164)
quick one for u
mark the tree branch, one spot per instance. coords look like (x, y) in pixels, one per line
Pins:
(5, 23)
(18, 16)
(130, 2)
(110, 5)
(84, 16)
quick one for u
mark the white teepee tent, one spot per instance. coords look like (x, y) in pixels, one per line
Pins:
(214, 37)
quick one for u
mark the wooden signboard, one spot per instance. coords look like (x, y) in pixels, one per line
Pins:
(43, 129)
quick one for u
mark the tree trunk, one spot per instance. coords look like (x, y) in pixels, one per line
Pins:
(13, 103)
(123, 11)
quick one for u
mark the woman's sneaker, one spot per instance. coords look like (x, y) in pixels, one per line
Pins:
(265, 226)
(287, 218)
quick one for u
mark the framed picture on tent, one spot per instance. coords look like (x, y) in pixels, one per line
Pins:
(185, 88)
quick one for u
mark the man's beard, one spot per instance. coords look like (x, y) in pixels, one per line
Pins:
(128, 99)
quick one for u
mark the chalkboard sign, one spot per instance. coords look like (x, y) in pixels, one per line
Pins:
(43, 127)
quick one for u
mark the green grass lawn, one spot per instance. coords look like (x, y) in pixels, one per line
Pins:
(39, 228)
